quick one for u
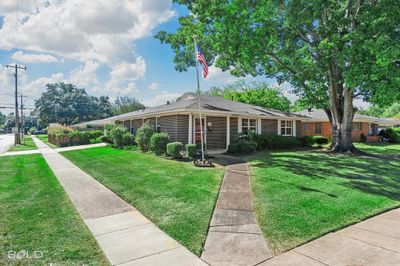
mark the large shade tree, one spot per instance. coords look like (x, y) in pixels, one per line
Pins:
(64, 103)
(330, 51)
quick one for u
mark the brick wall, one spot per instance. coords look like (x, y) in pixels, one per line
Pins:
(326, 130)
(177, 126)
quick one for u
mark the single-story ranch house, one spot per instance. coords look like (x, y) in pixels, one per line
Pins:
(318, 125)
(224, 119)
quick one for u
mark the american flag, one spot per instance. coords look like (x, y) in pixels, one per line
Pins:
(202, 60)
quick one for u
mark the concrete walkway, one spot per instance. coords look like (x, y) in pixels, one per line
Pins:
(123, 233)
(234, 237)
(14, 153)
(375, 241)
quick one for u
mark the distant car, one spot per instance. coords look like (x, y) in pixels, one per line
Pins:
(39, 132)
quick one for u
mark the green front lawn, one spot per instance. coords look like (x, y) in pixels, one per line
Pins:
(301, 195)
(379, 148)
(37, 215)
(176, 196)
(28, 144)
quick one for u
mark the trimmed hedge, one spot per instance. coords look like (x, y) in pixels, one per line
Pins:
(319, 140)
(191, 150)
(72, 138)
(158, 143)
(307, 141)
(241, 146)
(174, 149)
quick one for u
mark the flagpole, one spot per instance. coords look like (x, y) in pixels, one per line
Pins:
(198, 100)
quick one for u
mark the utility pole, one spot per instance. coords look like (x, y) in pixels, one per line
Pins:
(22, 118)
(17, 139)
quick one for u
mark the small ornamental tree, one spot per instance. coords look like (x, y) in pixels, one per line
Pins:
(143, 136)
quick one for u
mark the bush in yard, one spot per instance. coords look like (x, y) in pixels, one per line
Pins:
(257, 139)
(363, 138)
(191, 150)
(391, 135)
(321, 140)
(281, 142)
(158, 142)
(242, 146)
(174, 149)
(307, 141)
(117, 135)
(143, 136)
(128, 139)
(104, 138)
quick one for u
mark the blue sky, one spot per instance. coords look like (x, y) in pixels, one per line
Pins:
(104, 46)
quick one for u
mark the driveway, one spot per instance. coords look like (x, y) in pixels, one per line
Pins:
(6, 141)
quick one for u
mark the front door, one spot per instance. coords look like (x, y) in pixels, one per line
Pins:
(197, 131)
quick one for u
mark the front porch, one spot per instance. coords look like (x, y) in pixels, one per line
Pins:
(220, 131)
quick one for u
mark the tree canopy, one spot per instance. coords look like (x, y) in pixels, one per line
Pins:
(125, 104)
(392, 111)
(256, 93)
(329, 51)
(66, 104)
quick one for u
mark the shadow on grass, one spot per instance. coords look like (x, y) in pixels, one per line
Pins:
(374, 175)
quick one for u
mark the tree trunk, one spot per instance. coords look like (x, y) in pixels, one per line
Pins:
(341, 112)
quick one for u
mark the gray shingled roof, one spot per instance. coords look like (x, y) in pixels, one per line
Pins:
(208, 103)
(320, 115)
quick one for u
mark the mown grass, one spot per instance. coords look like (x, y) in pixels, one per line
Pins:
(302, 195)
(37, 215)
(382, 148)
(26, 144)
(176, 196)
(44, 138)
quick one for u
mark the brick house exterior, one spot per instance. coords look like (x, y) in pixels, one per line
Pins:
(318, 125)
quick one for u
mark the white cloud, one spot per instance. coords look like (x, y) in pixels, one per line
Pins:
(216, 74)
(33, 58)
(73, 28)
(85, 75)
(161, 98)
(153, 86)
(36, 87)
(129, 71)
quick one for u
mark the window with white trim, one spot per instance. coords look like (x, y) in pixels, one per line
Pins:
(286, 127)
(249, 124)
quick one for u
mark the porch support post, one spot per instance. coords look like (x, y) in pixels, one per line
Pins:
(294, 128)
(279, 127)
(239, 125)
(259, 126)
(190, 137)
(228, 131)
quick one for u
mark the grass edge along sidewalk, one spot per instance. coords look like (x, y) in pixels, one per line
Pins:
(302, 195)
(177, 196)
(37, 215)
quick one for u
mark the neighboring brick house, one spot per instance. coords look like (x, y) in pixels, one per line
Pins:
(363, 125)
(222, 120)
